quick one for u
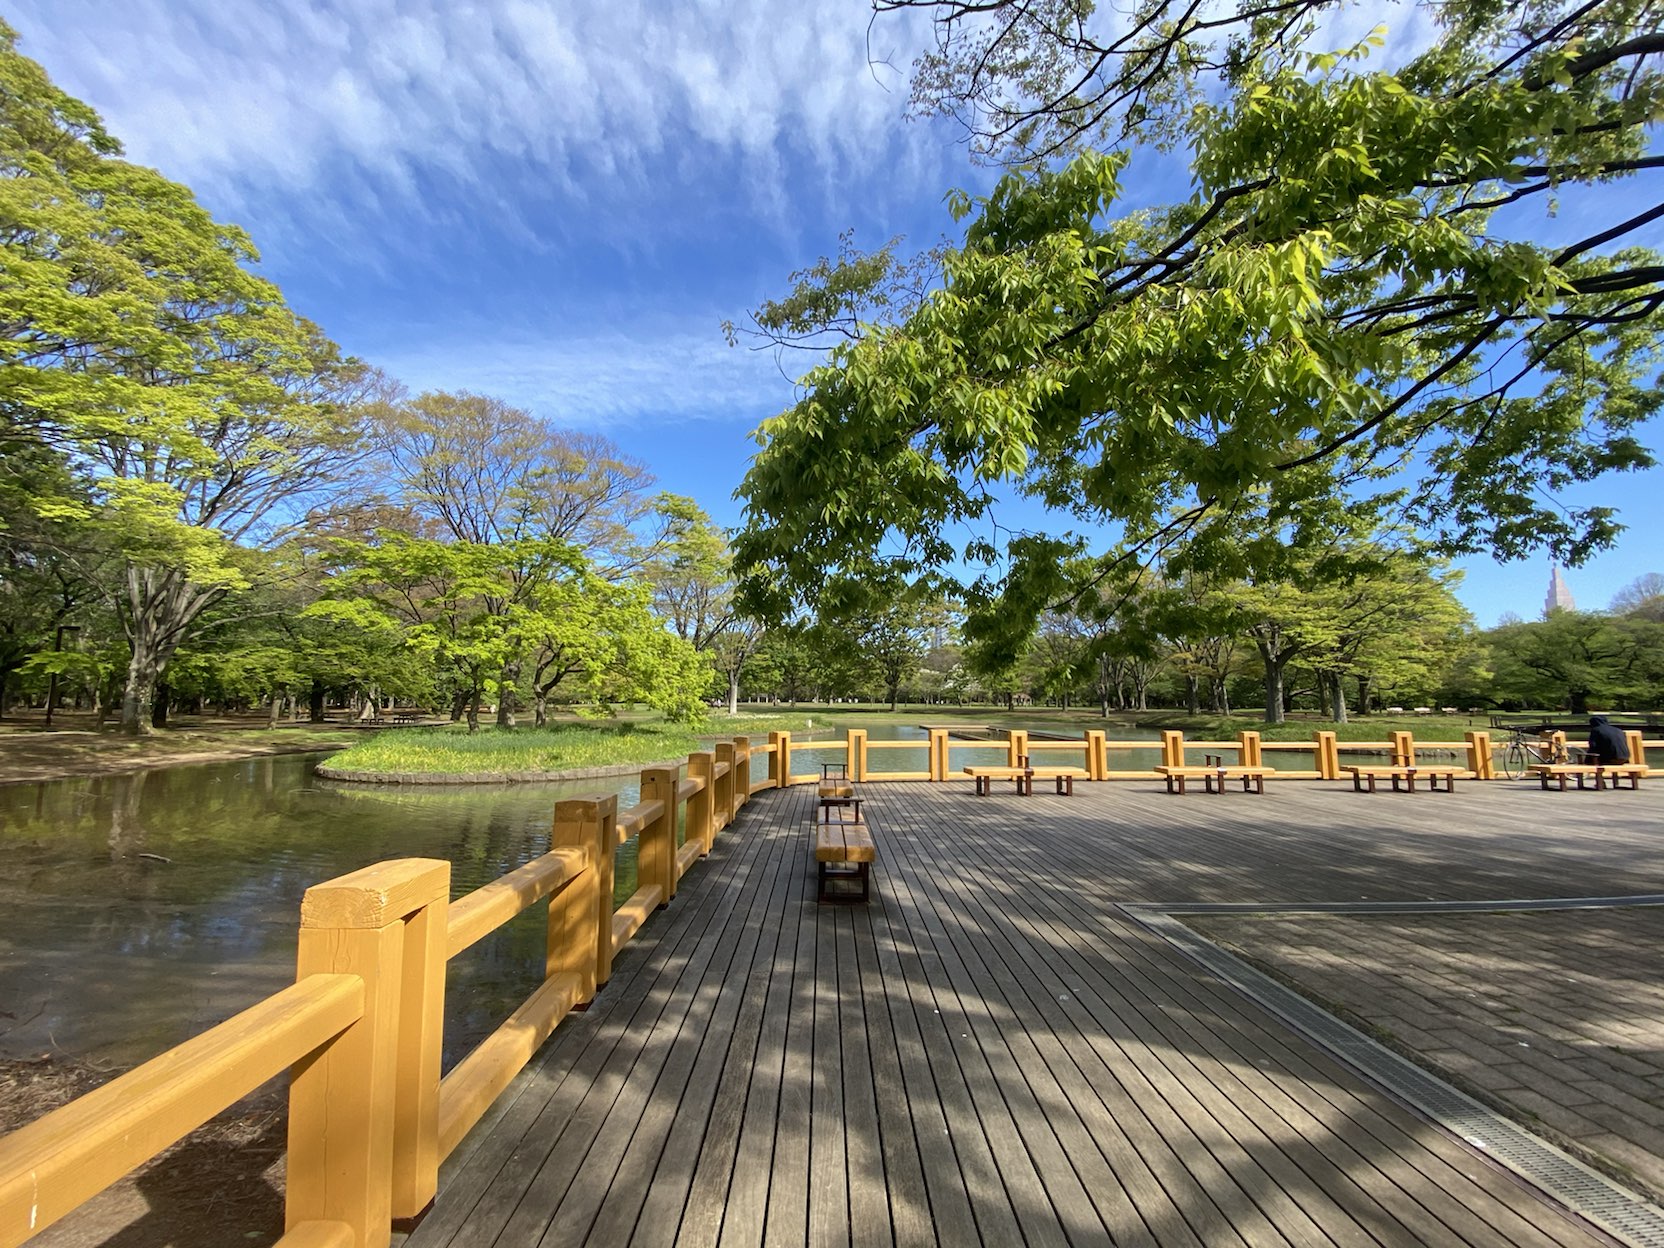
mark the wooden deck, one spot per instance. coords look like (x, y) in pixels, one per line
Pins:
(991, 1052)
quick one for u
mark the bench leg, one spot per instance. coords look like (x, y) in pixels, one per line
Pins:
(821, 871)
(866, 877)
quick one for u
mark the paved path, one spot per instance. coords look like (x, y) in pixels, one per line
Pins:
(992, 1052)
(1557, 1015)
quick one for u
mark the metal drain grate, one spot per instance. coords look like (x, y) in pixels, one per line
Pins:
(1579, 1187)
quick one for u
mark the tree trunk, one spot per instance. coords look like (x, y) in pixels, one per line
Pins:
(1363, 695)
(1337, 698)
(159, 707)
(1274, 713)
(507, 684)
(459, 704)
(474, 709)
(138, 694)
(275, 710)
(734, 691)
(1580, 702)
(315, 703)
(1192, 694)
(540, 709)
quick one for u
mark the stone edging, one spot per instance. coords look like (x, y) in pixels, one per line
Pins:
(486, 777)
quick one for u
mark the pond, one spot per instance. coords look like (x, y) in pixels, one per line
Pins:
(140, 909)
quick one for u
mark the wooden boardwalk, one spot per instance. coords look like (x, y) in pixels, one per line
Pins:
(991, 1052)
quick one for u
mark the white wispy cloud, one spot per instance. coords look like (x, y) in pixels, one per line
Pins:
(605, 380)
(383, 98)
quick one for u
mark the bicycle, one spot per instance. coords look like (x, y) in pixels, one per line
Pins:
(1526, 749)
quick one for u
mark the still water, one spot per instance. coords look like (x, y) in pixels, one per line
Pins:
(136, 910)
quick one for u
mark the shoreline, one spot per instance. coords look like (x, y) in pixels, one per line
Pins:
(36, 757)
(607, 771)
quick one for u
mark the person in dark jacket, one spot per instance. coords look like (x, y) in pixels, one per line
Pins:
(1606, 743)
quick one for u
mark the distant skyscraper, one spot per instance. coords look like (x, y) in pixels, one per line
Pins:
(1559, 597)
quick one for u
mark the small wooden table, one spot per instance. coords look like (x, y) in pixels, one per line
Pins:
(844, 850)
(838, 795)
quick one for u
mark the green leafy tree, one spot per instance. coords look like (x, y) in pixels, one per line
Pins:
(135, 340)
(1578, 660)
(895, 639)
(693, 588)
(1340, 297)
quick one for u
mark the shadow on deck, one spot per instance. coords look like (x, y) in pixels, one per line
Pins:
(992, 1052)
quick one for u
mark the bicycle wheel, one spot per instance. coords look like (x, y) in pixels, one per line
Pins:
(1514, 760)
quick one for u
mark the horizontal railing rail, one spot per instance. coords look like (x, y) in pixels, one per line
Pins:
(1098, 754)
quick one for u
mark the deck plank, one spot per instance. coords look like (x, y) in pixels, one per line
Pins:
(993, 1051)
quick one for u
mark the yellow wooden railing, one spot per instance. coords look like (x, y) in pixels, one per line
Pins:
(360, 1031)
(1093, 752)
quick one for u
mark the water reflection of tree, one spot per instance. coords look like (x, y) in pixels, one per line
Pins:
(126, 835)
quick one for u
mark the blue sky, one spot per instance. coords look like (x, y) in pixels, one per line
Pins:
(560, 203)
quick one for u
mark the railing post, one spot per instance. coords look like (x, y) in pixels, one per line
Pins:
(742, 772)
(1250, 755)
(1016, 746)
(1479, 754)
(701, 824)
(1328, 755)
(939, 754)
(1097, 757)
(580, 917)
(656, 857)
(780, 763)
(857, 748)
(1172, 748)
(725, 785)
(1403, 748)
(593, 822)
(364, 1110)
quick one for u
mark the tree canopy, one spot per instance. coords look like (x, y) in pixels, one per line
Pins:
(1353, 303)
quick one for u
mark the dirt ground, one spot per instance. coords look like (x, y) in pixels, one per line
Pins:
(219, 1187)
(74, 746)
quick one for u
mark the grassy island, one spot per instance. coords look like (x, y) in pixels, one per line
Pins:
(518, 752)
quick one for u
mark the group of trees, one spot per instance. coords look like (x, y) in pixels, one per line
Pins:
(1390, 633)
(209, 502)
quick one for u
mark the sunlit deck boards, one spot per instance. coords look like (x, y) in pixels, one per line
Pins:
(991, 1052)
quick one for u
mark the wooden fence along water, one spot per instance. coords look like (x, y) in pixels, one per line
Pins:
(370, 1118)
(1096, 754)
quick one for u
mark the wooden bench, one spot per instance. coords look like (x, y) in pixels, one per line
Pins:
(1580, 772)
(849, 844)
(1064, 776)
(1362, 773)
(985, 777)
(1253, 778)
(1632, 772)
